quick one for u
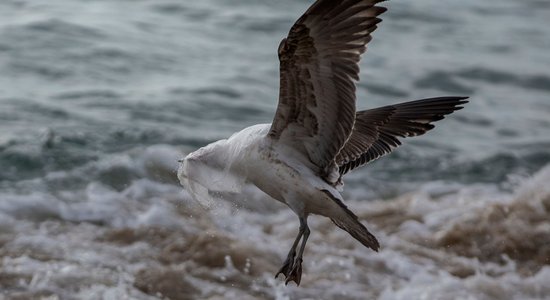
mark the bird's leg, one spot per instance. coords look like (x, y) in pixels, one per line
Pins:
(289, 261)
(296, 272)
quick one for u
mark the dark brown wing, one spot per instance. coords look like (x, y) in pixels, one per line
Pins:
(318, 67)
(377, 130)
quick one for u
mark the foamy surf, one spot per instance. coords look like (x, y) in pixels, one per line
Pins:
(89, 203)
(150, 240)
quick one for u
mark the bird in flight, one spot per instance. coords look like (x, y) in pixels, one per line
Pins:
(317, 135)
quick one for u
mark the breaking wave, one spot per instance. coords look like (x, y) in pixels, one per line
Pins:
(149, 238)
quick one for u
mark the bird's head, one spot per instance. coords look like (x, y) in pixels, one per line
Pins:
(207, 173)
(195, 164)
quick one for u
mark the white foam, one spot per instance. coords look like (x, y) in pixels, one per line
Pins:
(106, 241)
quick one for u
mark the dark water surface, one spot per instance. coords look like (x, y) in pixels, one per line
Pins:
(98, 100)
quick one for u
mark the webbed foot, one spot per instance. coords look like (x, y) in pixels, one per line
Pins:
(296, 273)
(287, 265)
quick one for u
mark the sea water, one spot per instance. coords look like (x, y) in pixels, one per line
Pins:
(99, 99)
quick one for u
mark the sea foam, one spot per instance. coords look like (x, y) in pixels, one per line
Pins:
(151, 238)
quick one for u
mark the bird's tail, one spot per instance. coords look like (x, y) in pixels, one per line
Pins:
(349, 222)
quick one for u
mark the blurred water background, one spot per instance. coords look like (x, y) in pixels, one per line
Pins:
(98, 100)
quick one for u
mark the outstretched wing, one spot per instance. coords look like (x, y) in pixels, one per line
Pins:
(376, 131)
(318, 67)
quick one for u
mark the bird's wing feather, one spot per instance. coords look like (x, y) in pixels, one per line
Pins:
(318, 67)
(376, 131)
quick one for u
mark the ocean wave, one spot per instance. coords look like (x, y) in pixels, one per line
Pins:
(62, 28)
(444, 81)
(538, 81)
(461, 81)
(149, 239)
(99, 103)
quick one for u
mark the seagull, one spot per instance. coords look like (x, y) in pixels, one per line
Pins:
(317, 135)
